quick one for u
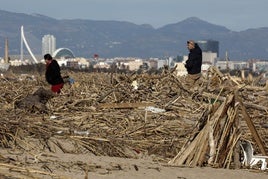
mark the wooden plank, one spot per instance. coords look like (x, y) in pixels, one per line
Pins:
(193, 154)
(251, 127)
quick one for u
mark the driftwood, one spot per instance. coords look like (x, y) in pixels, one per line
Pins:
(252, 128)
(215, 143)
(219, 135)
(104, 114)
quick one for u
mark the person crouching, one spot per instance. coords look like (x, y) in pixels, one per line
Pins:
(53, 74)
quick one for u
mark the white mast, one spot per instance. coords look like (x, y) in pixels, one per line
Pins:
(23, 39)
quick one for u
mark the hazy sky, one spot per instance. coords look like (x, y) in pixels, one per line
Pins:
(236, 15)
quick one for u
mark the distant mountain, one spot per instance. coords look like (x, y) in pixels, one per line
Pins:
(117, 38)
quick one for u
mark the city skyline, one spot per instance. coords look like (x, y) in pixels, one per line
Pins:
(236, 15)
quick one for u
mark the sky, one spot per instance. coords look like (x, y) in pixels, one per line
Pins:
(236, 15)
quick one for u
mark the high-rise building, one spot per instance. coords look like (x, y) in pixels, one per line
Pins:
(209, 46)
(48, 44)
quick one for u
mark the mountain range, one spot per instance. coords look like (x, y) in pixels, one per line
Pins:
(125, 39)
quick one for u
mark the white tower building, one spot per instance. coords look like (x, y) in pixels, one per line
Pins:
(48, 44)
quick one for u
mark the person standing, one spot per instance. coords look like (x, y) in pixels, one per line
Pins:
(53, 74)
(193, 63)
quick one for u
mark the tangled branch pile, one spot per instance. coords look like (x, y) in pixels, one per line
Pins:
(120, 115)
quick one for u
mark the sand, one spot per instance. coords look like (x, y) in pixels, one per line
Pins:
(81, 166)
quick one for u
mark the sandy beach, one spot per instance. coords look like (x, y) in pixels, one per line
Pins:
(87, 166)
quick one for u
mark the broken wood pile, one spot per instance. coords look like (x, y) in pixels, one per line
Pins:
(135, 115)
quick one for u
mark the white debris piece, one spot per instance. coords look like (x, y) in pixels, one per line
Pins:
(154, 109)
(135, 85)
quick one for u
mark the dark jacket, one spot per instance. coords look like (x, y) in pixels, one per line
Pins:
(194, 62)
(53, 75)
